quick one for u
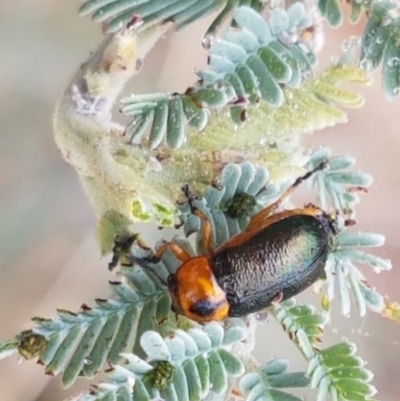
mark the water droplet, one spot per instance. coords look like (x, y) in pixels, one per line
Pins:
(393, 62)
(262, 316)
(346, 45)
(208, 41)
(380, 39)
(366, 64)
(87, 361)
(334, 59)
(357, 40)
(396, 90)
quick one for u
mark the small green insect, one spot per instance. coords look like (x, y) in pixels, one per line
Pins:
(31, 344)
(161, 375)
(240, 206)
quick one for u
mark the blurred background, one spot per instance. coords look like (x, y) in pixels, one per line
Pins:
(49, 257)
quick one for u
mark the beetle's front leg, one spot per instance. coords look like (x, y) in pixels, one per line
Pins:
(180, 253)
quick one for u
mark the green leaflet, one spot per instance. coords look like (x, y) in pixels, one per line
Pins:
(265, 382)
(80, 344)
(336, 370)
(294, 317)
(118, 13)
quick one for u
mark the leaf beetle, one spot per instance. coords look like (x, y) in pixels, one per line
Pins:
(277, 256)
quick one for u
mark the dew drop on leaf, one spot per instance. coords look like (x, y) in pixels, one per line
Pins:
(380, 39)
(366, 64)
(262, 317)
(346, 45)
(207, 41)
(395, 91)
(393, 62)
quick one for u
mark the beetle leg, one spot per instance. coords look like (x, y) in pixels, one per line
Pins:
(277, 299)
(180, 253)
(206, 232)
(258, 218)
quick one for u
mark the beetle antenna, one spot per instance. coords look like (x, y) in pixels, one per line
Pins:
(321, 166)
(189, 196)
(140, 262)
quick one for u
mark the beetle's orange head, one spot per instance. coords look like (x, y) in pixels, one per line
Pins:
(196, 294)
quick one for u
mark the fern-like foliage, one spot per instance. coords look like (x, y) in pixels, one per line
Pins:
(344, 275)
(245, 66)
(267, 382)
(335, 371)
(380, 44)
(79, 344)
(242, 191)
(380, 39)
(118, 13)
(336, 186)
(294, 317)
(312, 106)
(185, 366)
(340, 186)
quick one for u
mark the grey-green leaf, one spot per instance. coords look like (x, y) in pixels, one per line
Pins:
(391, 69)
(159, 125)
(348, 238)
(175, 124)
(218, 375)
(232, 364)
(251, 20)
(154, 346)
(269, 89)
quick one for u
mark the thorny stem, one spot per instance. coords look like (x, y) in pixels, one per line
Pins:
(87, 137)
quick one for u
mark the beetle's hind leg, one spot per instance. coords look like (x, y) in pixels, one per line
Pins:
(206, 226)
(259, 218)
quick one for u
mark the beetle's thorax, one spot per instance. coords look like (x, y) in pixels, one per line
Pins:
(196, 293)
